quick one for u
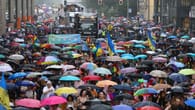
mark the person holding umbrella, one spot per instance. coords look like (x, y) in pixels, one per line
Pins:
(47, 90)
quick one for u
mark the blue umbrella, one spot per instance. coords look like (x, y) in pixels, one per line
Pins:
(69, 78)
(128, 57)
(119, 51)
(177, 64)
(25, 83)
(17, 75)
(122, 107)
(172, 37)
(177, 77)
(139, 46)
(141, 56)
(190, 102)
(2, 107)
(185, 37)
(191, 54)
(126, 54)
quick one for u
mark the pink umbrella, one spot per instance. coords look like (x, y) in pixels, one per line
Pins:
(159, 59)
(128, 70)
(53, 100)
(30, 103)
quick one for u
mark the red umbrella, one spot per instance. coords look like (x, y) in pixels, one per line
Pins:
(148, 108)
(53, 100)
(92, 78)
(30, 103)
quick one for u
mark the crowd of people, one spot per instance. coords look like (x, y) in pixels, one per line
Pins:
(135, 77)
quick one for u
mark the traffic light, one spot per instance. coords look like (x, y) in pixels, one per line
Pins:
(120, 2)
(100, 2)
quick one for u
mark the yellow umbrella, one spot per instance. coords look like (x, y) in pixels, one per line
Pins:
(187, 71)
(104, 83)
(66, 90)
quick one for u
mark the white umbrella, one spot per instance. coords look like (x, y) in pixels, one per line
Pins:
(4, 67)
(54, 67)
(16, 57)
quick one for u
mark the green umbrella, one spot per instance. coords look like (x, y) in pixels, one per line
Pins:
(78, 47)
(2, 56)
(185, 37)
(187, 71)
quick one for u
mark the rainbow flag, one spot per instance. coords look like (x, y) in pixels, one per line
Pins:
(151, 41)
(111, 49)
(4, 98)
(99, 51)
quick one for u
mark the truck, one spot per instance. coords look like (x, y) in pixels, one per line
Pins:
(86, 24)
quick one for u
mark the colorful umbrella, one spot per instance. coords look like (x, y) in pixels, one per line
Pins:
(102, 71)
(91, 78)
(17, 75)
(161, 86)
(16, 57)
(53, 100)
(159, 59)
(149, 108)
(145, 91)
(69, 78)
(187, 71)
(158, 73)
(122, 107)
(30, 103)
(88, 66)
(4, 67)
(128, 70)
(190, 102)
(65, 90)
(104, 83)
(48, 60)
(178, 77)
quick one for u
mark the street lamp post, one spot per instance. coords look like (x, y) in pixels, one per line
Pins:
(127, 8)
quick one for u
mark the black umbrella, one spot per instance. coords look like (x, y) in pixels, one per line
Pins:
(100, 107)
(145, 103)
(123, 87)
(85, 86)
(142, 67)
(124, 96)
(177, 89)
(147, 62)
(54, 78)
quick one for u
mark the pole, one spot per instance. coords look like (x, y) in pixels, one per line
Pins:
(127, 8)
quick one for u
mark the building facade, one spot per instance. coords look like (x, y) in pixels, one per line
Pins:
(13, 12)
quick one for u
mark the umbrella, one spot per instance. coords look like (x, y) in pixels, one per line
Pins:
(148, 108)
(17, 75)
(128, 70)
(30, 103)
(21, 108)
(161, 86)
(104, 83)
(88, 66)
(159, 59)
(11, 86)
(2, 107)
(187, 71)
(144, 91)
(123, 87)
(33, 74)
(124, 96)
(85, 86)
(172, 37)
(178, 77)
(126, 54)
(113, 58)
(100, 107)
(185, 37)
(128, 57)
(48, 60)
(177, 64)
(16, 57)
(141, 56)
(177, 89)
(66, 90)
(145, 103)
(68, 67)
(69, 78)
(122, 107)
(72, 72)
(119, 51)
(139, 46)
(158, 73)
(91, 78)
(54, 67)
(4, 67)
(2, 56)
(147, 62)
(53, 100)
(25, 83)
(190, 102)
(102, 71)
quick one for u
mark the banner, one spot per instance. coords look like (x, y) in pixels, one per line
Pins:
(64, 39)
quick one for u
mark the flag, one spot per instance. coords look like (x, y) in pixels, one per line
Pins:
(99, 50)
(4, 98)
(151, 41)
(111, 49)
